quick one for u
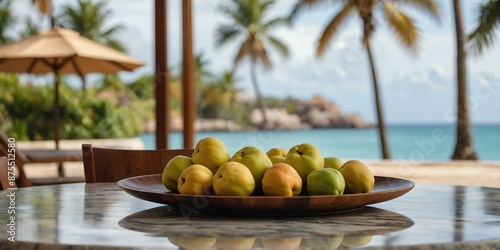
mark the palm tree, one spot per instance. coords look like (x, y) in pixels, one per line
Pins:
(30, 29)
(249, 22)
(488, 20)
(218, 98)
(7, 20)
(402, 25)
(217, 93)
(201, 70)
(463, 148)
(89, 20)
(226, 85)
(482, 37)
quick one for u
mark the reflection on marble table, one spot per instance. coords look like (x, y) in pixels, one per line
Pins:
(102, 216)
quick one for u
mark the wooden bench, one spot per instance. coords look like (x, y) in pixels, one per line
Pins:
(112, 165)
(40, 156)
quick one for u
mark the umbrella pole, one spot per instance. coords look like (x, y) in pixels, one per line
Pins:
(57, 119)
(57, 111)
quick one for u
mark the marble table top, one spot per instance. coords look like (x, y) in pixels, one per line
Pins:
(102, 216)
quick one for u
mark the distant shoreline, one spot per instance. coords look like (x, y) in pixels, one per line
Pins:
(410, 143)
(372, 126)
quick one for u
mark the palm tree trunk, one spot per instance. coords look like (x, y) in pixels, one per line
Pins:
(378, 103)
(464, 148)
(53, 23)
(258, 94)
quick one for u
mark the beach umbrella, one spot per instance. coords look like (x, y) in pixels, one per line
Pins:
(62, 51)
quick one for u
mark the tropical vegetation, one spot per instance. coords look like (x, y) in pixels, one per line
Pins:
(114, 108)
(30, 29)
(403, 26)
(7, 20)
(248, 20)
(488, 19)
(82, 114)
(90, 19)
(482, 37)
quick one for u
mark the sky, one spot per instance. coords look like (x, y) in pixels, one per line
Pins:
(417, 88)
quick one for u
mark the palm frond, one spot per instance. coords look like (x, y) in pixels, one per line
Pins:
(260, 53)
(484, 34)
(113, 30)
(250, 24)
(245, 49)
(100, 11)
(276, 22)
(402, 25)
(7, 21)
(332, 28)
(302, 5)
(430, 7)
(279, 46)
(236, 10)
(265, 6)
(117, 45)
(226, 33)
(89, 19)
(201, 70)
(44, 6)
(31, 28)
(227, 9)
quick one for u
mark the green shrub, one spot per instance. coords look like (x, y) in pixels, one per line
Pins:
(26, 113)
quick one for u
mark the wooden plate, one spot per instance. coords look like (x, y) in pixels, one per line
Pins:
(150, 188)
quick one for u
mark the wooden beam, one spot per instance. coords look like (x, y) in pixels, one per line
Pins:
(161, 75)
(189, 93)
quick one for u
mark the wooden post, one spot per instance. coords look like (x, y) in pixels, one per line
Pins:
(189, 93)
(161, 75)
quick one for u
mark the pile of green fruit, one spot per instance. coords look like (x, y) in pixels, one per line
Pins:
(302, 170)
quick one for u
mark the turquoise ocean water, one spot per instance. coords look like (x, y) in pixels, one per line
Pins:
(413, 143)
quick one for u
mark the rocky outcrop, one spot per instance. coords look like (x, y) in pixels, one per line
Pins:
(216, 125)
(315, 113)
(321, 113)
(176, 124)
(355, 121)
(277, 118)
